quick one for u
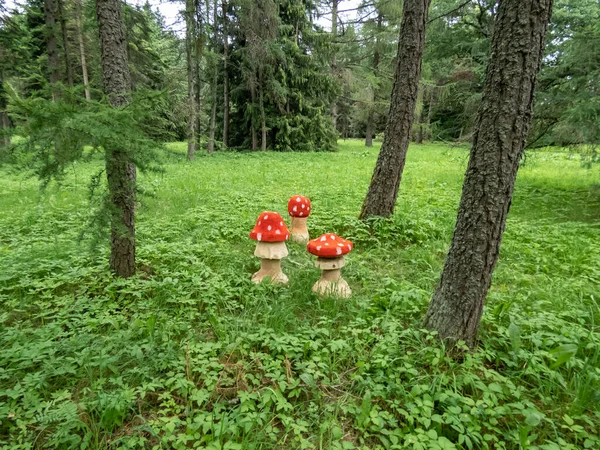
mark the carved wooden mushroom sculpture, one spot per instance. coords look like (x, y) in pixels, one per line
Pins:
(330, 250)
(271, 233)
(299, 210)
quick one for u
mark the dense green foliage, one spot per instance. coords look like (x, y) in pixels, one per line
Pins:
(282, 77)
(191, 353)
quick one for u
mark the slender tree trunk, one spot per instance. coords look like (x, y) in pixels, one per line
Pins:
(120, 170)
(4, 121)
(191, 34)
(334, 17)
(369, 131)
(383, 191)
(215, 81)
(261, 105)
(502, 125)
(84, 71)
(65, 39)
(51, 45)
(371, 115)
(225, 77)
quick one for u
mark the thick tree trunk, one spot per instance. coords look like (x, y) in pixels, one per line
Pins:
(120, 170)
(51, 44)
(225, 77)
(84, 71)
(501, 128)
(65, 41)
(191, 35)
(215, 81)
(334, 17)
(383, 190)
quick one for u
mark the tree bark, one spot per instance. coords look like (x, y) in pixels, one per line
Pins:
(4, 121)
(84, 71)
(371, 115)
(51, 45)
(502, 125)
(334, 14)
(261, 105)
(191, 35)
(65, 39)
(120, 170)
(215, 81)
(225, 78)
(369, 130)
(383, 190)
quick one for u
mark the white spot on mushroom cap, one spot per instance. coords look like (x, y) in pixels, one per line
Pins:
(269, 228)
(318, 247)
(287, 236)
(324, 238)
(277, 231)
(280, 224)
(338, 251)
(259, 236)
(301, 214)
(308, 207)
(349, 247)
(266, 217)
(298, 199)
(259, 222)
(303, 206)
(332, 237)
(327, 244)
(340, 244)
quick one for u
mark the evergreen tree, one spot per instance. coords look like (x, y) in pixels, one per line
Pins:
(502, 125)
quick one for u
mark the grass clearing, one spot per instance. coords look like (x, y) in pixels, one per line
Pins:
(189, 353)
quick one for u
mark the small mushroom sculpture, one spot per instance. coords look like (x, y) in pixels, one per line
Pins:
(271, 233)
(330, 250)
(299, 210)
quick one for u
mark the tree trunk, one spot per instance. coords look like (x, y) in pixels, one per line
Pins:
(65, 39)
(84, 71)
(4, 121)
(369, 130)
(215, 81)
(334, 14)
(225, 78)
(261, 105)
(376, 57)
(120, 170)
(383, 191)
(502, 124)
(191, 35)
(51, 45)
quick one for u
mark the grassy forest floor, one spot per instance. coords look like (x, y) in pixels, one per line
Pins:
(189, 353)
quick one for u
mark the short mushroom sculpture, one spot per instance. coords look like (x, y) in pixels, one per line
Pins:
(271, 233)
(330, 250)
(299, 210)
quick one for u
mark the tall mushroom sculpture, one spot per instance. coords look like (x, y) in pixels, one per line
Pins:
(271, 233)
(330, 249)
(299, 210)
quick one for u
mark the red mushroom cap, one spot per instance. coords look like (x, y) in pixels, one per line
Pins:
(299, 206)
(329, 245)
(270, 227)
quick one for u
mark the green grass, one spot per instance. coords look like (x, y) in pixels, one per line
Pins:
(190, 353)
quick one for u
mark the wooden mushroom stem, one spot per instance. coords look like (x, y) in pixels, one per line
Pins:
(299, 230)
(270, 254)
(331, 281)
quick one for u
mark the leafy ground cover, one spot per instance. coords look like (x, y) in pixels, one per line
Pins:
(191, 354)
